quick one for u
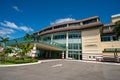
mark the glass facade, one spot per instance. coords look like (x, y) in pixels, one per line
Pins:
(61, 26)
(74, 35)
(74, 45)
(48, 29)
(45, 38)
(59, 36)
(109, 38)
(74, 24)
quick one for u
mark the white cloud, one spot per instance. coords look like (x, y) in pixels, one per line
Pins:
(62, 20)
(9, 24)
(14, 26)
(5, 31)
(16, 8)
(26, 29)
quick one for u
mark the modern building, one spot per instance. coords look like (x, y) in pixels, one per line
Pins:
(84, 39)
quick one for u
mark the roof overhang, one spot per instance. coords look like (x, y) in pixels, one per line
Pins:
(91, 25)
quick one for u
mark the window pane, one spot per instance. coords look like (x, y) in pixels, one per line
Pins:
(74, 24)
(89, 21)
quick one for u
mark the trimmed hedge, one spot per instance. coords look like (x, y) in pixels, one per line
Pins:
(20, 61)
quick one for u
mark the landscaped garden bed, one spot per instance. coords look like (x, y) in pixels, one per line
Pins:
(11, 60)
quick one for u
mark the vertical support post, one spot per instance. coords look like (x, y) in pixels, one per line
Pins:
(51, 37)
(62, 54)
(66, 45)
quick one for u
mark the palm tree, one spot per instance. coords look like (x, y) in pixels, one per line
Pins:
(16, 42)
(25, 49)
(27, 37)
(116, 30)
(4, 40)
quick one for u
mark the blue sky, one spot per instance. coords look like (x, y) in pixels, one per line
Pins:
(20, 16)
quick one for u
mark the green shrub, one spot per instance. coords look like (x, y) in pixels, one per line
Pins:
(19, 60)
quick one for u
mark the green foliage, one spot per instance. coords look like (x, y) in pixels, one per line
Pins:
(117, 29)
(4, 54)
(12, 60)
(28, 37)
(4, 40)
(25, 48)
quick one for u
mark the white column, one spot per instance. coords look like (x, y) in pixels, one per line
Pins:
(66, 45)
(51, 37)
(97, 19)
(62, 54)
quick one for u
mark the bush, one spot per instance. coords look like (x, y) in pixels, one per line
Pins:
(19, 60)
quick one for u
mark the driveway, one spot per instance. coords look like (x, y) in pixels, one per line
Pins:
(61, 70)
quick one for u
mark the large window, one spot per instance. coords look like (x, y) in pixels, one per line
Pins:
(74, 24)
(46, 38)
(61, 26)
(106, 38)
(89, 21)
(112, 27)
(74, 35)
(106, 28)
(109, 38)
(48, 29)
(74, 46)
(61, 36)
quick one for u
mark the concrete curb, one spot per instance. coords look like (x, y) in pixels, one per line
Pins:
(50, 60)
(95, 62)
(13, 65)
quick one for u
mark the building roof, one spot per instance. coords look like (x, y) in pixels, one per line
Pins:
(91, 25)
(111, 24)
(68, 22)
(116, 15)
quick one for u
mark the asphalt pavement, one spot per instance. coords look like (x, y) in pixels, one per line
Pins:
(61, 70)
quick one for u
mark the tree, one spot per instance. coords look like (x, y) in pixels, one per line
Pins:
(27, 37)
(25, 48)
(116, 30)
(4, 40)
(5, 53)
(16, 42)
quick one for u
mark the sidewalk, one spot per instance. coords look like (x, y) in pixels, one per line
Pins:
(95, 62)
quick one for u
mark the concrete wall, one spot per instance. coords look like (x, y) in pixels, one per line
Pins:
(110, 54)
(91, 44)
(113, 20)
(110, 44)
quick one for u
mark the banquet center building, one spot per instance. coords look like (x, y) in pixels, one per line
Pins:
(84, 39)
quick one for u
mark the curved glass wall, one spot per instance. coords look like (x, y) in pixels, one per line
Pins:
(74, 45)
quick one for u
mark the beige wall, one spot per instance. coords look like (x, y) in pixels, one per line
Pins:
(110, 44)
(91, 43)
(110, 54)
(113, 20)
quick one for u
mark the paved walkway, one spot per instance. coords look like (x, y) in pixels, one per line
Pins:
(109, 63)
(62, 70)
